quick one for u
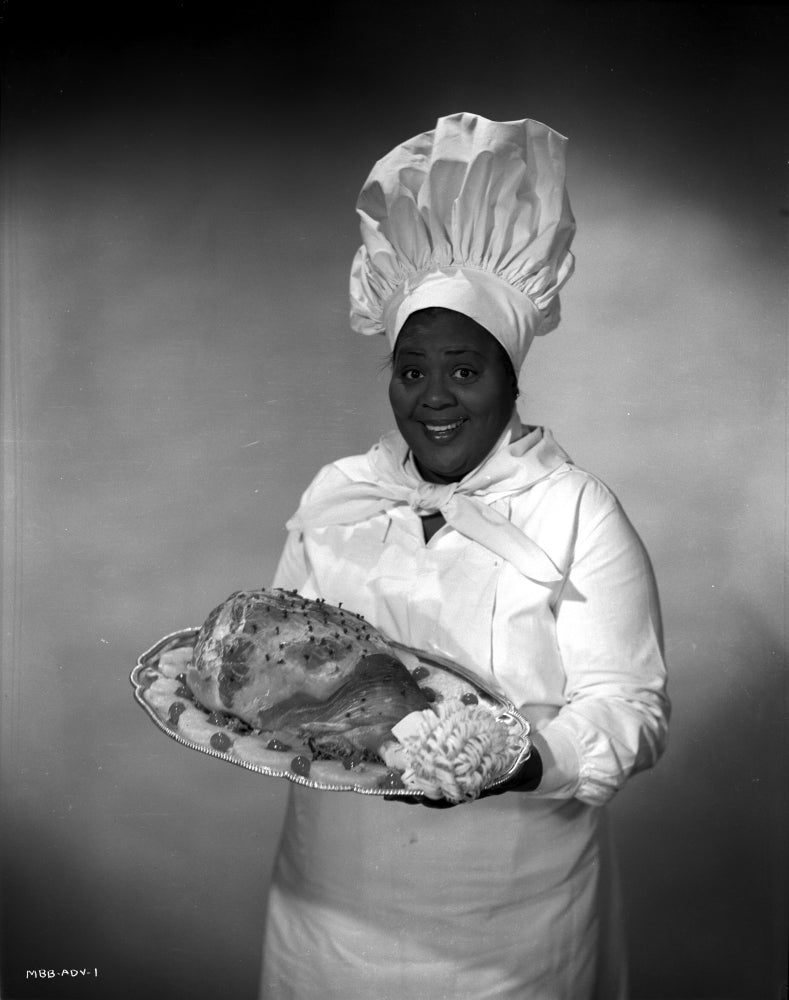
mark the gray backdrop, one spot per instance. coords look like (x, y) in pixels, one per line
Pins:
(177, 363)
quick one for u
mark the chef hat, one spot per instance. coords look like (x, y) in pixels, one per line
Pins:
(472, 216)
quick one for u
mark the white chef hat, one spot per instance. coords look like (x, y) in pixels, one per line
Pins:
(472, 216)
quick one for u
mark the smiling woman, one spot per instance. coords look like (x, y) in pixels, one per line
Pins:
(452, 392)
(475, 539)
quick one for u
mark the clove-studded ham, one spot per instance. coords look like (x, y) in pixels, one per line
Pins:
(283, 663)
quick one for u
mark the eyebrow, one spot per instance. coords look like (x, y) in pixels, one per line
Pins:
(453, 350)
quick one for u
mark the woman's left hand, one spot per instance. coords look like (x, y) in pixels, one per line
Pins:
(421, 800)
(526, 779)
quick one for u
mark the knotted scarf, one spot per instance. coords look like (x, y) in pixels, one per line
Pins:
(521, 457)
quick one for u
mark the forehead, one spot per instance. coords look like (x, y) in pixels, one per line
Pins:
(444, 332)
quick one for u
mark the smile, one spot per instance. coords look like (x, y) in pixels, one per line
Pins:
(442, 431)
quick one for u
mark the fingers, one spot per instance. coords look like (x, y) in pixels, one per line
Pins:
(438, 803)
(421, 800)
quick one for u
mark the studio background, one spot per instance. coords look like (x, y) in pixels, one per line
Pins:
(178, 200)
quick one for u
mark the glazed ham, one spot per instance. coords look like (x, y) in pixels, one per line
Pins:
(297, 667)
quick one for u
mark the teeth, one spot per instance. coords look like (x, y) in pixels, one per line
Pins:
(437, 428)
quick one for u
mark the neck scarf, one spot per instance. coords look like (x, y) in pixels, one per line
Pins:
(520, 458)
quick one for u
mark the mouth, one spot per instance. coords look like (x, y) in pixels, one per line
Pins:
(442, 430)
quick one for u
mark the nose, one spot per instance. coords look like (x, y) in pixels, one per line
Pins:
(437, 393)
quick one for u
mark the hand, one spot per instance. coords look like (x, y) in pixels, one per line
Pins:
(421, 800)
(526, 779)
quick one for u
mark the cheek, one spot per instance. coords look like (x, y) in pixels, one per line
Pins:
(506, 405)
(494, 405)
(398, 398)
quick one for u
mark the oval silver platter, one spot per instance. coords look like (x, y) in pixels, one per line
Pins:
(158, 686)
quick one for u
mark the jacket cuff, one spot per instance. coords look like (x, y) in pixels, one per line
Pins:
(561, 766)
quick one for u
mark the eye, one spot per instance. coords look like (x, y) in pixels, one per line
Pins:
(464, 374)
(410, 374)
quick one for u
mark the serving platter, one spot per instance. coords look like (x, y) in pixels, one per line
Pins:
(160, 688)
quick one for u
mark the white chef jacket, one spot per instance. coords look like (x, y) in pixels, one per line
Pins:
(510, 896)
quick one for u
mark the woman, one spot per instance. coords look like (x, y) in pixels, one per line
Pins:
(470, 536)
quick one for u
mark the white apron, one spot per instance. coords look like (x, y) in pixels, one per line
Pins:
(511, 896)
(507, 897)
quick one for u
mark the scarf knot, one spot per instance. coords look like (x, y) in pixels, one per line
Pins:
(428, 498)
(392, 480)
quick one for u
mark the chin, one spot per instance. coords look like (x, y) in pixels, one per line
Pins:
(445, 469)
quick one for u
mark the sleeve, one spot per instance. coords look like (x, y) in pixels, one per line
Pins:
(608, 626)
(293, 568)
